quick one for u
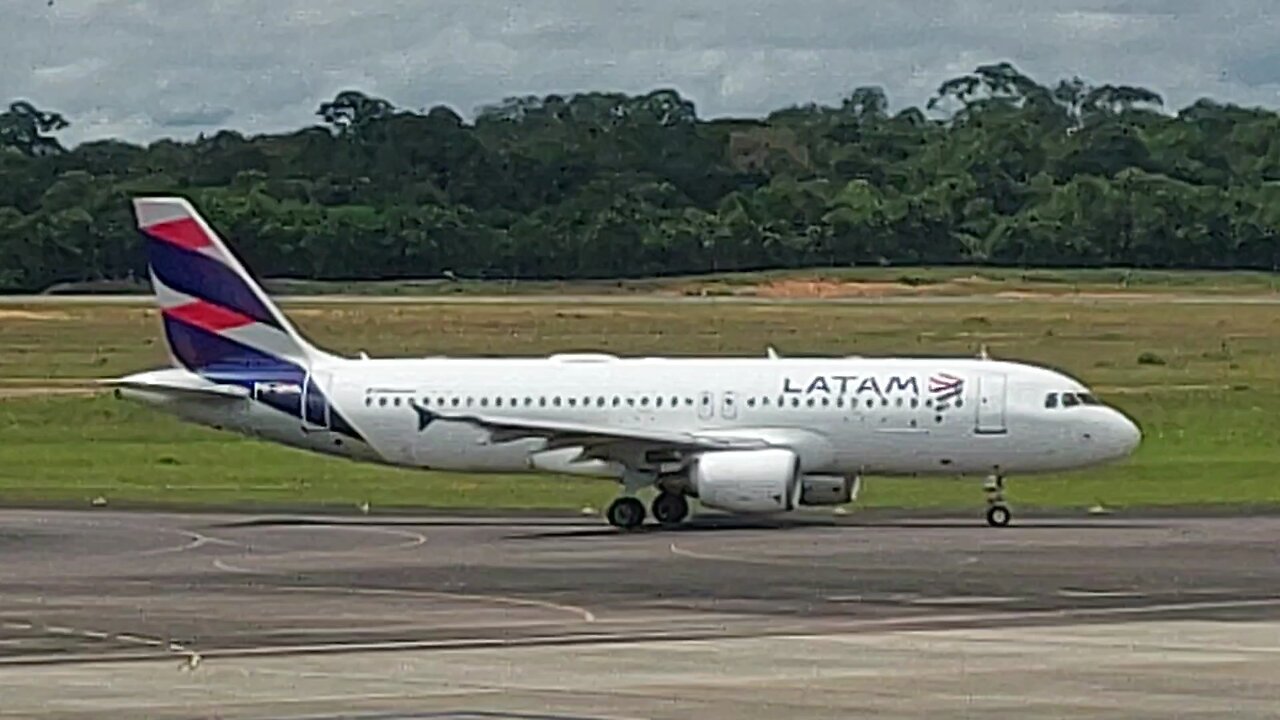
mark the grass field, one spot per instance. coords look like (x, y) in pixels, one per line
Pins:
(1202, 380)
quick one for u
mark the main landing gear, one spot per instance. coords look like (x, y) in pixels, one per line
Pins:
(627, 512)
(998, 513)
(670, 508)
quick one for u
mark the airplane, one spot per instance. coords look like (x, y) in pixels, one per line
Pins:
(762, 435)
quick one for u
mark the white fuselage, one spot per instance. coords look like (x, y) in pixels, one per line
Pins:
(842, 416)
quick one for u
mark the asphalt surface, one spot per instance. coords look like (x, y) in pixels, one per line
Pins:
(169, 615)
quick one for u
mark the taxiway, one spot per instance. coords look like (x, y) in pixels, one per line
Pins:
(165, 615)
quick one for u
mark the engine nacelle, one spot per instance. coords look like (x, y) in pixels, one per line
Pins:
(747, 481)
(827, 489)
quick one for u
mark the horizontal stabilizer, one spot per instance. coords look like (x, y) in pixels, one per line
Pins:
(194, 387)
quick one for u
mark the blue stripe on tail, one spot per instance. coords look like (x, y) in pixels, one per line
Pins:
(200, 276)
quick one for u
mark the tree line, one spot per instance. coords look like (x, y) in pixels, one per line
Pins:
(995, 169)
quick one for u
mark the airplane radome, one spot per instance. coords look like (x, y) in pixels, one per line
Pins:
(742, 435)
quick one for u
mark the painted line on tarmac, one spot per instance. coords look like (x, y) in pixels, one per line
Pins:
(583, 613)
(899, 624)
(1100, 594)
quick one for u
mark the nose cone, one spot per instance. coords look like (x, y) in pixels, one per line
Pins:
(1123, 434)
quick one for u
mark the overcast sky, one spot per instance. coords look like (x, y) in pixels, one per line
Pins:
(142, 69)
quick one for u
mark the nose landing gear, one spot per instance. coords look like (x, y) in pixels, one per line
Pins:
(998, 513)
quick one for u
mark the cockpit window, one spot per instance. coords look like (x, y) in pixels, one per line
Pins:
(1051, 400)
(1088, 399)
(1070, 400)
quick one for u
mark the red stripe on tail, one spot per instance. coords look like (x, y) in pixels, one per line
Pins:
(208, 316)
(185, 233)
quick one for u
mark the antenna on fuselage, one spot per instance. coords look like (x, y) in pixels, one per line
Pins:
(773, 354)
(982, 352)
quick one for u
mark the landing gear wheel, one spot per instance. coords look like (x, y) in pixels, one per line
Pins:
(670, 508)
(998, 516)
(626, 513)
(998, 513)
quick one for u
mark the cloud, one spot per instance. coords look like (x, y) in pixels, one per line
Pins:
(200, 116)
(142, 69)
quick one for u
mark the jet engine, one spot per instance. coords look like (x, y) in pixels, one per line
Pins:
(747, 481)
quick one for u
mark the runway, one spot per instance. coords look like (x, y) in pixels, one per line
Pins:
(176, 616)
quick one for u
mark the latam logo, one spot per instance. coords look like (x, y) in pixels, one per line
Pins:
(942, 387)
(945, 387)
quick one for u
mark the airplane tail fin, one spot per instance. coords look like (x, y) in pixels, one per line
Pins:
(217, 319)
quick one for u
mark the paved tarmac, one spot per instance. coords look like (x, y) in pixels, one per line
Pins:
(113, 614)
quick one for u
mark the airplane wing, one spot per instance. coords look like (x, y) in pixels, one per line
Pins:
(593, 439)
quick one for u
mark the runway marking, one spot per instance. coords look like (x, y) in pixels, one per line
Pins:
(585, 614)
(415, 539)
(966, 600)
(192, 658)
(197, 540)
(897, 624)
(1083, 593)
(695, 555)
(138, 640)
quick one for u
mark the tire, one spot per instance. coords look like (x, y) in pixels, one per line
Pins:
(626, 513)
(998, 516)
(670, 508)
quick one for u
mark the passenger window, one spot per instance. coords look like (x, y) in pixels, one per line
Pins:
(810, 403)
(484, 402)
(826, 402)
(573, 402)
(556, 401)
(1051, 401)
(616, 400)
(751, 402)
(658, 401)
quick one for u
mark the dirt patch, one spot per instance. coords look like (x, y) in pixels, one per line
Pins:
(33, 315)
(831, 289)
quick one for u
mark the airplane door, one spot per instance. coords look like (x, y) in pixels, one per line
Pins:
(728, 405)
(706, 406)
(991, 405)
